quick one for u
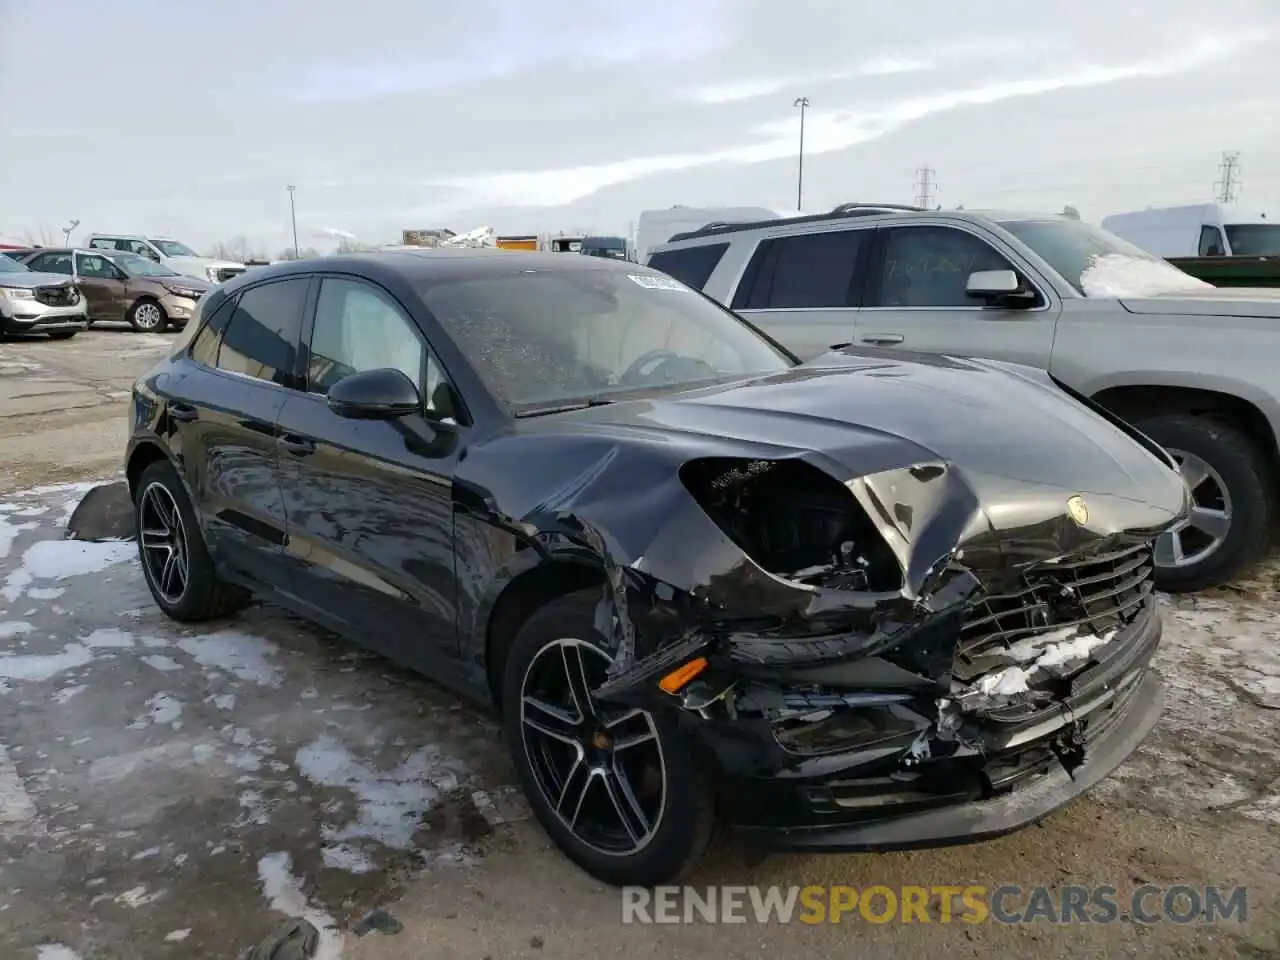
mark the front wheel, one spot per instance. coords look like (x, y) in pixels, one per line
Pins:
(147, 316)
(63, 334)
(175, 561)
(1229, 527)
(616, 788)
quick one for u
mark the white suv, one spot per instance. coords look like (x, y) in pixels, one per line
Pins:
(174, 255)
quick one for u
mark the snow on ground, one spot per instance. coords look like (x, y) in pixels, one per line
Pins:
(154, 778)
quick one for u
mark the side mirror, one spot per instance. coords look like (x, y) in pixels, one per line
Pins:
(383, 394)
(998, 287)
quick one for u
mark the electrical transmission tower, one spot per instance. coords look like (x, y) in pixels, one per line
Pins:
(926, 185)
(1228, 184)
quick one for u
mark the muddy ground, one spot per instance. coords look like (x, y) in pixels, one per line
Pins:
(174, 793)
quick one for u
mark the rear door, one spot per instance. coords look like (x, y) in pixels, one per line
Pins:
(804, 290)
(916, 300)
(369, 502)
(226, 419)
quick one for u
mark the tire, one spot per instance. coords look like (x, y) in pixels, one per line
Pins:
(63, 334)
(203, 596)
(1246, 478)
(147, 316)
(684, 823)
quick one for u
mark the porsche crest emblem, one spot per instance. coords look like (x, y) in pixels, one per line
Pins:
(1078, 509)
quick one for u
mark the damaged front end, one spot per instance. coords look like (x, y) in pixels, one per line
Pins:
(910, 658)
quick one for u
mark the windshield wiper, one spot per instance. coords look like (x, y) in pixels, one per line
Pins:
(564, 407)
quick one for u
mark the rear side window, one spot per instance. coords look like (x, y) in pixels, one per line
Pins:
(692, 266)
(104, 243)
(261, 339)
(803, 272)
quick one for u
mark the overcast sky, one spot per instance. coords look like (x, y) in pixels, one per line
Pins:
(190, 118)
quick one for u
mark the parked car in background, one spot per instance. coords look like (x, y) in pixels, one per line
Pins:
(125, 287)
(1193, 366)
(33, 302)
(867, 602)
(1225, 244)
(171, 253)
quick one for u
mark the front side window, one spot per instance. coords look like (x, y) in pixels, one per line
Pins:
(95, 267)
(542, 338)
(263, 332)
(930, 267)
(51, 263)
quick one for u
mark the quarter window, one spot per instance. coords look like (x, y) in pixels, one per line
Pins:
(692, 266)
(930, 267)
(804, 272)
(262, 334)
(204, 348)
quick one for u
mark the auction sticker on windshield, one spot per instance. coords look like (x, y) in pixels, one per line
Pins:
(657, 283)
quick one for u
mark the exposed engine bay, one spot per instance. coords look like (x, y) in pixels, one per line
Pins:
(940, 689)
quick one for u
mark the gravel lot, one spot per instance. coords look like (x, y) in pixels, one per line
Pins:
(174, 793)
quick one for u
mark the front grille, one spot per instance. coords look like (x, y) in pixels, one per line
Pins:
(64, 296)
(1100, 592)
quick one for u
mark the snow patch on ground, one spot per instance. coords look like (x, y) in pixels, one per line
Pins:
(37, 667)
(56, 951)
(162, 663)
(163, 709)
(66, 693)
(177, 936)
(108, 638)
(1117, 275)
(239, 654)
(390, 802)
(12, 628)
(61, 559)
(284, 891)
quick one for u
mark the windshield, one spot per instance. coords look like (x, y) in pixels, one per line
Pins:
(1254, 239)
(547, 339)
(9, 265)
(136, 266)
(1075, 250)
(172, 248)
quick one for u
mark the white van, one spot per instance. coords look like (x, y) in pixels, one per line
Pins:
(1200, 230)
(659, 226)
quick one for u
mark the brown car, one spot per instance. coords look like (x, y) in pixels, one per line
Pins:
(125, 286)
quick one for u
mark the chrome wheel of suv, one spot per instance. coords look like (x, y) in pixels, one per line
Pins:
(147, 316)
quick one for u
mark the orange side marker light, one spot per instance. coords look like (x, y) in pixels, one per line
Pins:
(679, 678)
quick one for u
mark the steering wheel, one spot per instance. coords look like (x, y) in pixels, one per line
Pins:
(644, 365)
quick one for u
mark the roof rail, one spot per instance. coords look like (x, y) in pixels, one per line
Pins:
(858, 208)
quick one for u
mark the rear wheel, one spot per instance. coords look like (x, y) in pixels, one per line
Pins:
(177, 566)
(616, 788)
(147, 316)
(1229, 528)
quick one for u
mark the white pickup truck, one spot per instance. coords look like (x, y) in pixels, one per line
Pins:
(173, 254)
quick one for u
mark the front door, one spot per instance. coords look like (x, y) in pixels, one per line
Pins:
(103, 285)
(802, 290)
(916, 299)
(369, 502)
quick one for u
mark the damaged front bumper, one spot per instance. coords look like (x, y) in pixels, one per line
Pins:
(857, 756)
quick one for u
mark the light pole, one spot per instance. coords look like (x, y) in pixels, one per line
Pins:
(803, 104)
(66, 232)
(293, 217)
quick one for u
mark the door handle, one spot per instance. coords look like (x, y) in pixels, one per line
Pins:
(183, 412)
(883, 339)
(298, 446)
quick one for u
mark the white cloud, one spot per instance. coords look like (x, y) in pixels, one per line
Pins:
(825, 131)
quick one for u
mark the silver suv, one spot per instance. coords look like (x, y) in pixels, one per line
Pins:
(39, 303)
(1193, 366)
